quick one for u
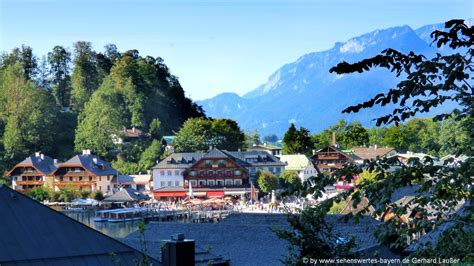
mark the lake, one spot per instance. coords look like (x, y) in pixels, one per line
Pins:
(116, 230)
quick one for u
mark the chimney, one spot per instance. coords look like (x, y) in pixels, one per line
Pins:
(210, 147)
(42, 156)
(314, 152)
(334, 138)
(134, 129)
(95, 160)
(178, 251)
(84, 152)
(375, 146)
(55, 161)
(37, 154)
(239, 150)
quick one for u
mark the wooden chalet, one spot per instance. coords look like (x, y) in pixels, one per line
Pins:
(215, 170)
(330, 158)
(86, 172)
(32, 172)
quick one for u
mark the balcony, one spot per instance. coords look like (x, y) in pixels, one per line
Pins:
(74, 183)
(29, 182)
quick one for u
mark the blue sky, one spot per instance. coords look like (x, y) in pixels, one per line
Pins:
(213, 46)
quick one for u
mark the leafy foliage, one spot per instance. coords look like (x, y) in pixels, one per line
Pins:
(40, 193)
(197, 134)
(267, 181)
(297, 141)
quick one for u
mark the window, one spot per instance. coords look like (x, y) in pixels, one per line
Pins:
(169, 172)
(162, 183)
(270, 169)
(229, 182)
(100, 187)
(170, 183)
(192, 173)
(202, 182)
(211, 182)
(220, 182)
(193, 182)
(208, 162)
(100, 178)
(108, 178)
(252, 170)
(176, 183)
(211, 172)
(237, 172)
(176, 172)
(70, 178)
(237, 182)
(277, 170)
(219, 173)
(90, 178)
(61, 179)
(162, 172)
(221, 162)
(108, 188)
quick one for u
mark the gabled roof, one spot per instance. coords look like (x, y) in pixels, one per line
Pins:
(265, 146)
(346, 153)
(126, 195)
(295, 162)
(34, 234)
(42, 163)
(178, 160)
(132, 132)
(371, 152)
(215, 153)
(91, 163)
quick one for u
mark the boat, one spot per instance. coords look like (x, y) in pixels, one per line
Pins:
(103, 215)
(126, 215)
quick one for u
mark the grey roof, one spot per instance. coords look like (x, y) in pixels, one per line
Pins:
(264, 158)
(93, 164)
(215, 153)
(45, 165)
(123, 179)
(179, 160)
(126, 195)
(245, 239)
(34, 234)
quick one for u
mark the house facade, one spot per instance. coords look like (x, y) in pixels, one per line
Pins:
(32, 172)
(271, 149)
(300, 164)
(214, 173)
(86, 172)
(331, 158)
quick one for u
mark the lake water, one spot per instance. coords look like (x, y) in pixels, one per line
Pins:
(116, 230)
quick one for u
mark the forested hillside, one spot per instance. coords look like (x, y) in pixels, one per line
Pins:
(77, 98)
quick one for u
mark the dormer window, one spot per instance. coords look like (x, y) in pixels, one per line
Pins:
(208, 162)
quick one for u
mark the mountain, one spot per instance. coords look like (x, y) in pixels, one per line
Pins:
(305, 93)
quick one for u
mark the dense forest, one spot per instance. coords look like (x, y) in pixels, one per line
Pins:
(73, 99)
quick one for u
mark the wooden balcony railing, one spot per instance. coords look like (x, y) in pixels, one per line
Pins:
(74, 183)
(30, 182)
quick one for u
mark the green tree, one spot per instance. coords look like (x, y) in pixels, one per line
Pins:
(267, 181)
(151, 155)
(68, 193)
(197, 134)
(85, 77)
(59, 63)
(270, 138)
(355, 135)
(297, 141)
(452, 136)
(40, 193)
(29, 115)
(377, 135)
(155, 130)
(102, 118)
(25, 58)
(290, 181)
(396, 137)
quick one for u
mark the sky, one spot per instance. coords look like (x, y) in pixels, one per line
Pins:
(213, 46)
